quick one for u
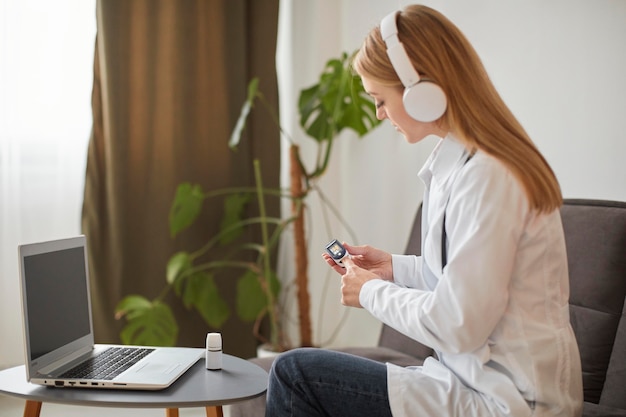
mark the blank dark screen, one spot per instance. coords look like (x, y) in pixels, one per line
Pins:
(57, 300)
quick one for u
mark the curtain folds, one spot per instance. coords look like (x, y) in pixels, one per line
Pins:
(169, 81)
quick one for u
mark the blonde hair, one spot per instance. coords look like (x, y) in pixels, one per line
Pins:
(476, 113)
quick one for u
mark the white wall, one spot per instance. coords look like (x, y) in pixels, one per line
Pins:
(558, 64)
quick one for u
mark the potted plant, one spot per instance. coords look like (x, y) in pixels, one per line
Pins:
(336, 102)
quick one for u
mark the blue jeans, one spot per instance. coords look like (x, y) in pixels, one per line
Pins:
(318, 382)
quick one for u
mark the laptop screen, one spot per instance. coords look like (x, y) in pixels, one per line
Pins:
(57, 299)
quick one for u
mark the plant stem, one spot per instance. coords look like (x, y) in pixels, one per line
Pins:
(267, 271)
(302, 260)
(274, 117)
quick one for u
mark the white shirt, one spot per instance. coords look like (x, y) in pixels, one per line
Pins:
(498, 313)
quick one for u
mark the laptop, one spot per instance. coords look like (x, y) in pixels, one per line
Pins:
(58, 329)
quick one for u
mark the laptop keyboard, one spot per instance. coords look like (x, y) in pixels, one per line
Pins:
(108, 364)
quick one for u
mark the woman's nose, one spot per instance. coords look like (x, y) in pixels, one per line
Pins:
(380, 113)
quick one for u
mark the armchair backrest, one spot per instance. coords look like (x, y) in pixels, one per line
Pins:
(595, 236)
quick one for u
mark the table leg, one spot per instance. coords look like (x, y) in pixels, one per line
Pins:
(215, 411)
(171, 412)
(32, 408)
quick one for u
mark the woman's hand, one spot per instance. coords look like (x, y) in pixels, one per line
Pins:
(352, 281)
(367, 257)
(365, 263)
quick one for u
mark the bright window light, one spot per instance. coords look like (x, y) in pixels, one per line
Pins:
(46, 79)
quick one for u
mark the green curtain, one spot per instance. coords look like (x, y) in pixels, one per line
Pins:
(169, 80)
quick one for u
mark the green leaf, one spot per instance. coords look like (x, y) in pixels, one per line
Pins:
(251, 297)
(234, 209)
(131, 304)
(201, 293)
(185, 207)
(338, 101)
(235, 137)
(361, 116)
(147, 323)
(251, 300)
(178, 264)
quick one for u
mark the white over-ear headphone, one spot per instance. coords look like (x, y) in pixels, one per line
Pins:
(423, 100)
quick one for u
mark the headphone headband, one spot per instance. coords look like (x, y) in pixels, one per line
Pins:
(396, 52)
(423, 100)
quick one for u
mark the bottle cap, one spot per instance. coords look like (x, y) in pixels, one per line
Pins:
(214, 341)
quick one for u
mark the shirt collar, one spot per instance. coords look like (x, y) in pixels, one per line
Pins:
(448, 153)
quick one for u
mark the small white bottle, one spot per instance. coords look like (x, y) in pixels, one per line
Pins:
(213, 351)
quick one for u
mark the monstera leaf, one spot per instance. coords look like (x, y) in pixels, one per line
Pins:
(185, 208)
(147, 323)
(231, 226)
(338, 101)
(251, 296)
(178, 265)
(201, 292)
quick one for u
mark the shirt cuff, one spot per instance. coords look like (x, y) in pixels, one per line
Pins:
(368, 292)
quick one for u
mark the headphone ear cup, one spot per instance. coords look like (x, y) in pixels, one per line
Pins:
(425, 101)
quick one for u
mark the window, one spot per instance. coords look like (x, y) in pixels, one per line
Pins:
(46, 77)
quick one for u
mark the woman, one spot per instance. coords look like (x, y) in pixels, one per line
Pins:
(490, 292)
